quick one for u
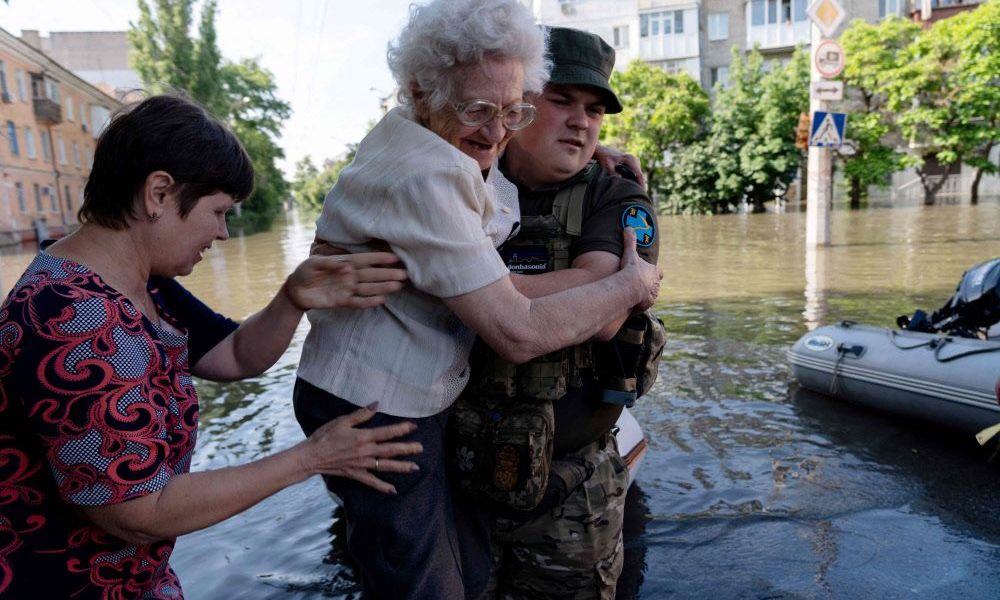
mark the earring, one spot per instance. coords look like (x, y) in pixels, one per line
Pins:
(153, 218)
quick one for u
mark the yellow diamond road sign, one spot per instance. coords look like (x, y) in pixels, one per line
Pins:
(827, 15)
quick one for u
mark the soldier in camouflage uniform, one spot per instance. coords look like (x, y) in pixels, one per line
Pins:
(573, 215)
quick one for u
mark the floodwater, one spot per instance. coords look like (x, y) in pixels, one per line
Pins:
(752, 488)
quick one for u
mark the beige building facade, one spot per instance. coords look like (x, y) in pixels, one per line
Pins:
(50, 120)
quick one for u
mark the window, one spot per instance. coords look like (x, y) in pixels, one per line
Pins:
(620, 36)
(90, 157)
(83, 116)
(22, 204)
(46, 147)
(69, 203)
(799, 10)
(757, 12)
(772, 11)
(718, 26)
(98, 119)
(29, 142)
(887, 8)
(38, 199)
(76, 154)
(53, 201)
(53, 90)
(3, 81)
(21, 90)
(61, 149)
(70, 116)
(12, 138)
(718, 75)
(669, 22)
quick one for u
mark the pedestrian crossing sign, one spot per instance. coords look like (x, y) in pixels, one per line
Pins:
(827, 129)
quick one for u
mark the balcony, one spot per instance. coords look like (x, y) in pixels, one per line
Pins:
(777, 24)
(47, 112)
(668, 35)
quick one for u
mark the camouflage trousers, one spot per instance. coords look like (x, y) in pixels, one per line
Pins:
(575, 549)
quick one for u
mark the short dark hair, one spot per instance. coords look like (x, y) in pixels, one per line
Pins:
(163, 133)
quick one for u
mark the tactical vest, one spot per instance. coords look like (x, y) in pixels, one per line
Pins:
(542, 245)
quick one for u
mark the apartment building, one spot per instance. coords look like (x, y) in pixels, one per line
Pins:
(97, 57)
(697, 36)
(50, 120)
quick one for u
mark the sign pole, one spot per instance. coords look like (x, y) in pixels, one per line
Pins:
(819, 194)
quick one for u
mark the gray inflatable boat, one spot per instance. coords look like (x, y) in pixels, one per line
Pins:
(933, 377)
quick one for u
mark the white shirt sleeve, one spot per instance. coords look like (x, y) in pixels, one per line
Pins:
(434, 222)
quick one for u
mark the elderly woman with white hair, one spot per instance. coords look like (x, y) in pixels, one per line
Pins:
(425, 183)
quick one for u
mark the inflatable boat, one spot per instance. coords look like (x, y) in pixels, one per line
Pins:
(942, 368)
(631, 443)
(932, 377)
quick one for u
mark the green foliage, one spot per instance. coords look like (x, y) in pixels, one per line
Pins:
(924, 95)
(689, 184)
(872, 51)
(311, 185)
(242, 94)
(662, 112)
(752, 137)
(977, 87)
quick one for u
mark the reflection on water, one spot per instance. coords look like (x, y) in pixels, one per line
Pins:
(752, 488)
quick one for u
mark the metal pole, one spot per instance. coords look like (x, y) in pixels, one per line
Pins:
(819, 193)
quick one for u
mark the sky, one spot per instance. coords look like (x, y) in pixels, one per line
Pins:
(327, 56)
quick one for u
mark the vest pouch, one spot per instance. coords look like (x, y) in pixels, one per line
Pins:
(500, 450)
(544, 378)
(626, 366)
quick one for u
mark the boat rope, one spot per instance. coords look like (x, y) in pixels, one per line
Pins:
(944, 342)
(937, 344)
(892, 339)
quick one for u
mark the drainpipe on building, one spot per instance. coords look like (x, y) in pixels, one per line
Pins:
(55, 174)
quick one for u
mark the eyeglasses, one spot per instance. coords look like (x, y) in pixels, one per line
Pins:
(480, 112)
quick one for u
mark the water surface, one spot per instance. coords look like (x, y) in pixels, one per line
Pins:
(751, 489)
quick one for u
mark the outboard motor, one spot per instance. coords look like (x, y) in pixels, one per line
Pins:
(973, 309)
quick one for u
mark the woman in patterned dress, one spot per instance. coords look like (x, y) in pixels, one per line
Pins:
(98, 345)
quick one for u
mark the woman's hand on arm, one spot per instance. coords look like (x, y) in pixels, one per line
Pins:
(609, 159)
(193, 501)
(341, 281)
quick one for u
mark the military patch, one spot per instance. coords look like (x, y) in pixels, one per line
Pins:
(526, 260)
(505, 468)
(637, 217)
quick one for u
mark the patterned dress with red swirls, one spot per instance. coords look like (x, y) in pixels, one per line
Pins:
(97, 407)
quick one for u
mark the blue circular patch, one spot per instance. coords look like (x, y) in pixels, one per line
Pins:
(638, 218)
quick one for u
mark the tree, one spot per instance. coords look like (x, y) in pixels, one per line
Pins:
(255, 114)
(312, 185)
(242, 94)
(872, 52)
(923, 94)
(752, 137)
(689, 184)
(977, 87)
(662, 112)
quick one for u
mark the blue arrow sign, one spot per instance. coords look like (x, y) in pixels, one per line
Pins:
(827, 129)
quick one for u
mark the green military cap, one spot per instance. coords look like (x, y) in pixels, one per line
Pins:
(581, 58)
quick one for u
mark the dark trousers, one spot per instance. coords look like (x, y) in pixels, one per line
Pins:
(420, 543)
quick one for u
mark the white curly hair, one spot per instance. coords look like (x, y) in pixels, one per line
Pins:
(444, 34)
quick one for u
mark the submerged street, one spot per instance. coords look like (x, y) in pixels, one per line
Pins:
(751, 488)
